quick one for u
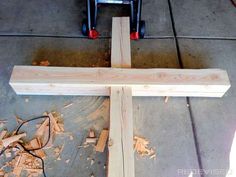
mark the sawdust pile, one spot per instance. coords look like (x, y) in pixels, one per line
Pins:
(18, 152)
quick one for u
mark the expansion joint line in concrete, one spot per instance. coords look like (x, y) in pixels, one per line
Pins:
(196, 143)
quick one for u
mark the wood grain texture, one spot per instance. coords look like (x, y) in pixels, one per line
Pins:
(38, 80)
(102, 141)
(120, 45)
(121, 154)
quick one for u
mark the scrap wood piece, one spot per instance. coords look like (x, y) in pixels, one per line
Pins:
(91, 133)
(2, 123)
(45, 136)
(17, 170)
(41, 63)
(7, 141)
(54, 123)
(18, 119)
(102, 141)
(43, 131)
(58, 150)
(34, 170)
(3, 134)
(44, 63)
(7, 153)
(25, 162)
(166, 99)
(68, 105)
(35, 144)
(141, 147)
(90, 141)
(40, 131)
(2, 172)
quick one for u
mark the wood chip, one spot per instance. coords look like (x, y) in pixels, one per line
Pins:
(91, 134)
(45, 137)
(35, 144)
(7, 141)
(141, 147)
(18, 119)
(166, 99)
(44, 63)
(2, 123)
(2, 172)
(92, 162)
(24, 161)
(71, 137)
(58, 150)
(61, 127)
(102, 141)
(152, 156)
(17, 170)
(90, 140)
(3, 134)
(54, 122)
(67, 105)
(41, 130)
(8, 153)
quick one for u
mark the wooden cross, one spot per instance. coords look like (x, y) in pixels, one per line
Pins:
(120, 83)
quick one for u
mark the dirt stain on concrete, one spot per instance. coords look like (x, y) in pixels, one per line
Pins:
(72, 58)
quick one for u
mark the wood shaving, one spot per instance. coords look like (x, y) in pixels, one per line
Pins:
(166, 99)
(3, 134)
(71, 137)
(22, 160)
(41, 63)
(44, 63)
(58, 150)
(92, 162)
(18, 120)
(67, 105)
(141, 147)
(91, 134)
(2, 123)
(91, 138)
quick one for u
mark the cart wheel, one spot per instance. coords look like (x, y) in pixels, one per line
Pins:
(84, 28)
(142, 29)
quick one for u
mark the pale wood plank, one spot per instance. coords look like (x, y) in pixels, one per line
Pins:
(121, 154)
(38, 80)
(120, 46)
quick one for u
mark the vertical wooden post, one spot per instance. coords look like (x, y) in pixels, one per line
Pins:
(121, 154)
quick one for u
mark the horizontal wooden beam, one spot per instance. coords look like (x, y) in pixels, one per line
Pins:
(121, 152)
(38, 80)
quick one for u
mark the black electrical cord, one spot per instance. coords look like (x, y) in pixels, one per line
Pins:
(234, 3)
(29, 150)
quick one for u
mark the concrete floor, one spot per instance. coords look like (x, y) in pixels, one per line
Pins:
(199, 136)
